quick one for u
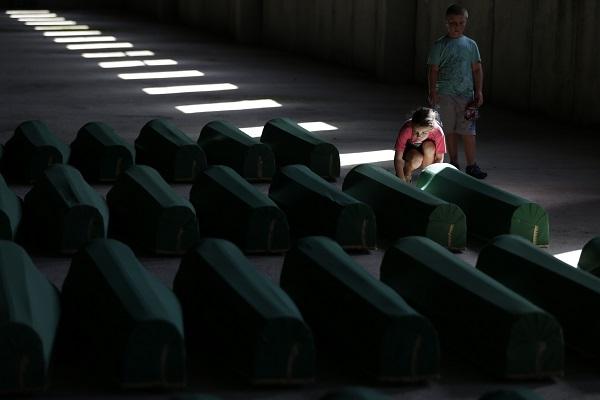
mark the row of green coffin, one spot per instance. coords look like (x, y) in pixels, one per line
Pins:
(495, 314)
(101, 155)
(145, 209)
(113, 314)
(448, 204)
(62, 212)
(116, 319)
(491, 211)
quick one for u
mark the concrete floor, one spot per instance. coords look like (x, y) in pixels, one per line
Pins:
(547, 162)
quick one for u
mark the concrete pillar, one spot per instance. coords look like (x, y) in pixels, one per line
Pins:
(247, 20)
(396, 40)
(586, 63)
(430, 25)
(161, 10)
(372, 35)
(305, 36)
(279, 23)
(211, 16)
(364, 34)
(323, 36)
(188, 11)
(342, 31)
(512, 62)
(217, 17)
(552, 63)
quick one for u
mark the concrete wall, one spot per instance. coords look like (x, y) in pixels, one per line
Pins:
(372, 35)
(538, 55)
(238, 19)
(586, 63)
(60, 4)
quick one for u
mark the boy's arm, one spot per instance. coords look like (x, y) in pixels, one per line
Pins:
(432, 77)
(438, 158)
(478, 82)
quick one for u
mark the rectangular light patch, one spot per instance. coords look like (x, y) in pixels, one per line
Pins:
(118, 54)
(136, 63)
(61, 28)
(230, 106)
(27, 11)
(72, 33)
(366, 157)
(41, 19)
(85, 39)
(190, 88)
(51, 23)
(162, 75)
(92, 46)
(34, 15)
(317, 126)
(570, 257)
(139, 53)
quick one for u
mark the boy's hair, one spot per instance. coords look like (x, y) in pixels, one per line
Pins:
(425, 116)
(457, 9)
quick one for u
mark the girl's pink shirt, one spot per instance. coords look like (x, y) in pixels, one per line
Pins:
(405, 135)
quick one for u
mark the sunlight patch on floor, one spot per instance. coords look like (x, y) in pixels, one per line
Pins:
(366, 157)
(569, 257)
(228, 106)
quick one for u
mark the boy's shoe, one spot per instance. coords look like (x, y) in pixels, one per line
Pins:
(475, 171)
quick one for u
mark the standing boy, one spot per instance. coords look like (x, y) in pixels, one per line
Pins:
(455, 79)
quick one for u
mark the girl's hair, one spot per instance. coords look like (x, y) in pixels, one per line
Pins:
(425, 116)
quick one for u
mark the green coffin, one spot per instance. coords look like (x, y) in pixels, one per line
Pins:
(403, 210)
(62, 212)
(354, 393)
(11, 212)
(366, 326)
(293, 144)
(589, 259)
(512, 394)
(476, 317)
(146, 211)
(229, 207)
(31, 149)
(99, 153)
(171, 152)
(122, 319)
(29, 315)
(241, 318)
(315, 207)
(570, 294)
(225, 144)
(490, 211)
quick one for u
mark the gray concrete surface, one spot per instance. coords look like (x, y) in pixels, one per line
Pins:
(537, 158)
